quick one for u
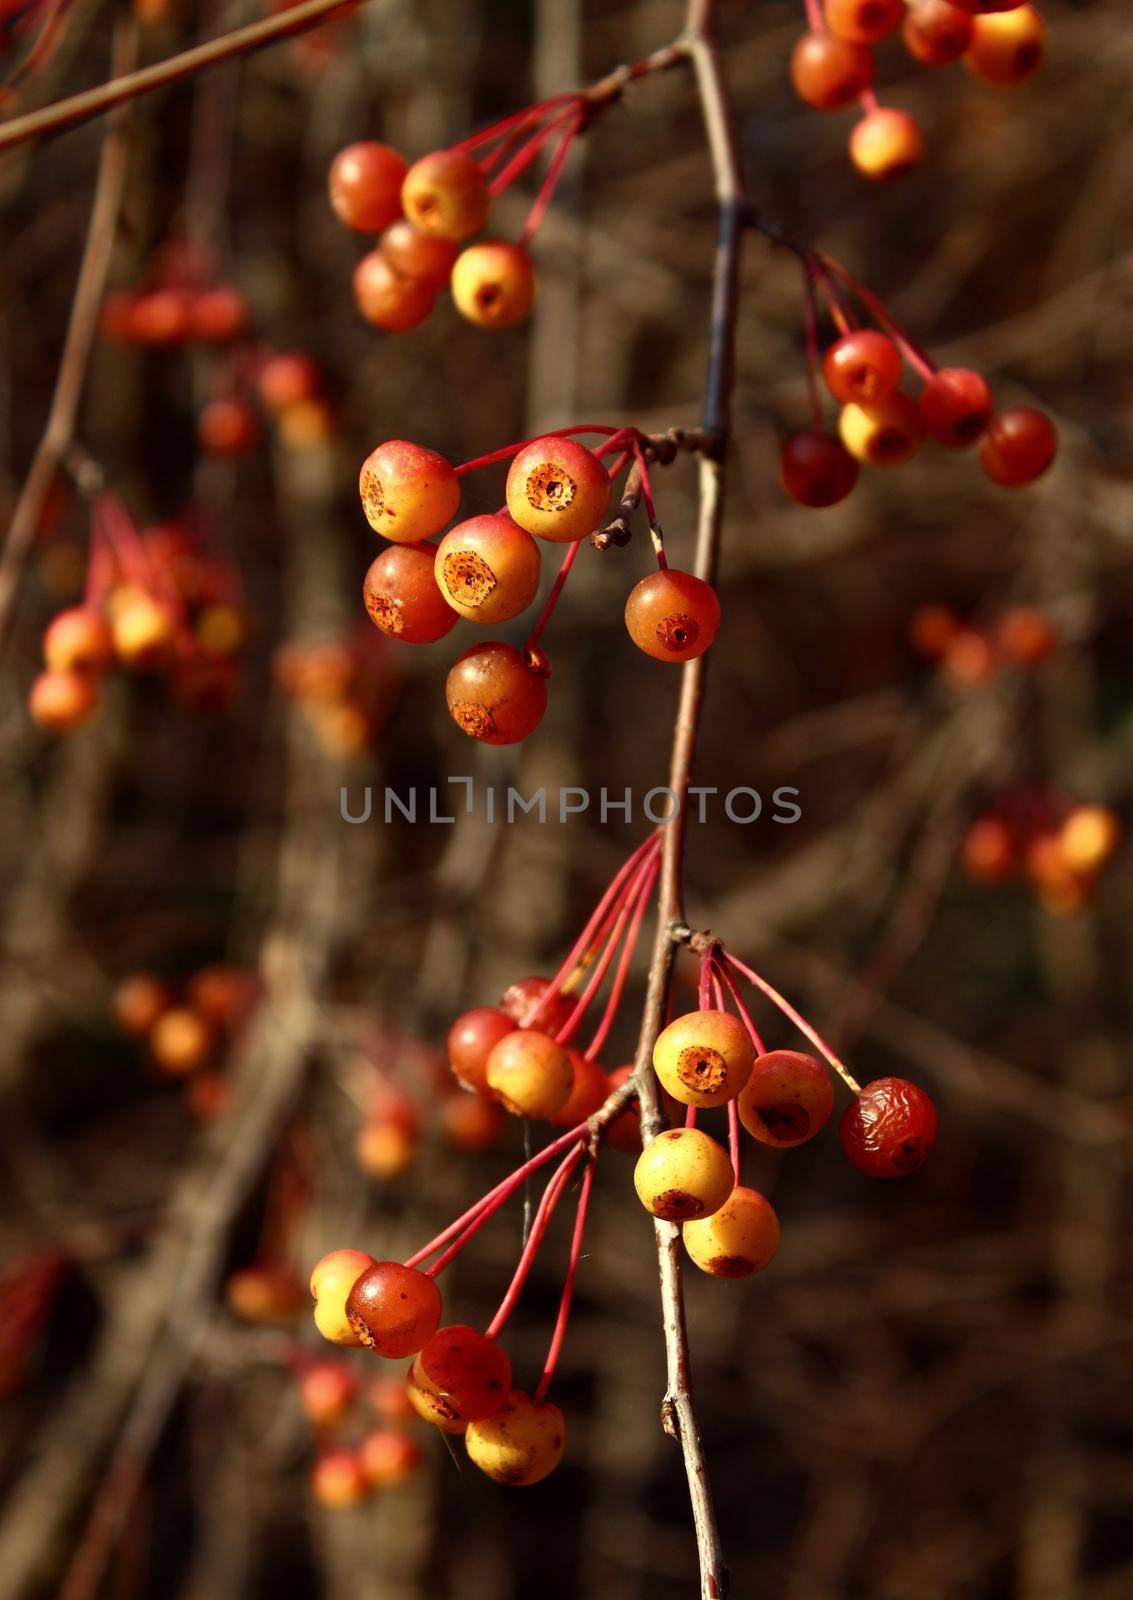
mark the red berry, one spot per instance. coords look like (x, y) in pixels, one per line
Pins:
(463, 1374)
(224, 996)
(470, 1042)
(408, 493)
(519, 997)
(969, 658)
(862, 368)
(487, 568)
(988, 853)
(889, 1129)
(446, 194)
(393, 1309)
(338, 1482)
(228, 427)
(886, 143)
(493, 284)
(219, 314)
(557, 489)
(672, 616)
(1026, 636)
(1018, 447)
(402, 598)
(828, 72)
(624, 1133)
(162, 317)
(936, 31)
(137, 1003)
(365, 185)
(863, 21)
(982, 8)
(264, 1294)
(288, 379)
(815, 469)
(387, 298)
(494, 695)
(472, 1124)
(388, 1457)
(931, 630)
(787, 1099)
(78, 640)
(326, 1391)
(589, 1089)
(60, 701)
(418, 255)
(956, 406)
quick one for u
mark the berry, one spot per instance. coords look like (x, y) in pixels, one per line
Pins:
(387, 298)
(494, 695)
(1088, 837)
(224, 996)
(787, 1099)
(885, 434)
(470, 1042)
(265, 1295)
(1026, 637)
(408, 493)
(365, 183)
(60, 701)
(828, 72)
(181, 1041)
(162, 317)
(588, 1091)
(530, 1074)
(1006, 48)
(144, 630)
(287, 380)
(518, 998)
(306, 424)
(624, 1133)
(521, 1443)
(392, 1309)
(739, 1239)
(558, 489)
(418, 255)
(446, 194)
(815, 469)
(388, 1399)
(137, 1003)
(401, 596)
(208, 1096)
(969, 658)
(338, 1482)
(936, 31)
(493, 284)
(385, 1148)
(956, 406)
(487, 568)
(987, 853)
(886, 143)
(78, 640)
(863, 21)
(862, 368)
(219, 314)
(388, 1457)
(1018, 447)
(472, 1124)
(931, 630)
(672, 616)
(704, 1058)
(326, 1391)
(889, 1129)
(683, 1174)
(228, 427)
(462, 1375)
(331, 1282)
(984, 7)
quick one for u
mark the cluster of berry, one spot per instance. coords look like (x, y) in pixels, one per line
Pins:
(973, 653)
(487, 568)
(1001, 42)
(346, 687)
(188, 1028)
(520, 1055)
(176, 306)
(880, 424)
(1055, 845)
(156, 601)
(349, 1471)
(425, 212)
(289, 388)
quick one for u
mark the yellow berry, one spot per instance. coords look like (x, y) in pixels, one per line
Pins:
(739, 1239)
(530, 1074)
(520, 1443)
(704, 1058)
(683, 1174)
(331, 1281)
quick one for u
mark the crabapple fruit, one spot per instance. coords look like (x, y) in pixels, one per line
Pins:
(392, 1309)
(862, 368)
(408, 493)
(739, 1239)
(557, 489)
(683, 1174)
(463, 1375)
(816, 469)
(414, 254)
(886, 143)
(588, 1091)
(137, 1003)
(519, 997)
(1089, 836)
(181, 1041)
(470, 1042)
(1018, 447)
(219, 314)
(446, 194)
(787, 1099)
(364, 183)
(487, 568)
(889, 1129)
(326, 1390)
(401, 595)
(936, 31)
(338, 1482)
(331, 1282)
(388, 1457)
(828, 72)
(672, 616)
(704, 1058)
(60, 701)
(493, 284)
(529, 1073)
(389, 299)
(264, 1294)
(863, 21)
(956, 406)
(495, 695)
(78, 640)
(521, 1443)
(883, 435)
(228, 427)
(1006, 47)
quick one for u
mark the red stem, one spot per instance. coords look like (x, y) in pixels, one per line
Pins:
(917, 358)
(734, 1137)
(800, 1022)
(563, 1317)
(509, 450)
(621, 976)
(547, 187)
(556, 590)
(690, 1117)
(524, 157)
(528, 115)
(636, 888)
(551, 1197)
(816, 22)
(745, 1014)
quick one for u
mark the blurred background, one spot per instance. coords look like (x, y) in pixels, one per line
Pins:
(928, 1392)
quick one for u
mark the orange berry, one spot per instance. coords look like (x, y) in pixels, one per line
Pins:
(863, 21)
(472, 1124)
(138, 1002)
(446, 194)
(408, 493)
(588, 1091)
(787, 1099)
(672, 616)
(264, 1295)
(219, 314)
(557, 489)
(704, 1058)
(739, 1239)
(886, 143)
(1089, 836)
(683, 1174)
(495, 695)
(401, 596)
(487, 568)
(470, 1042)
(393, 1309)
(493, 284)
(387, 298)
(521, 1443)
(288, 379)
(419, 255)
(464, 1374)
(388, 1457)
(385, 1148)
(61, 701)
(181, 1041)
(364, 183)
(228, 427)
(828, 72)
(338, 1482)
(78, 640)
(326, 1392)
(1006, 48)
(529, 1073)
(987, 853)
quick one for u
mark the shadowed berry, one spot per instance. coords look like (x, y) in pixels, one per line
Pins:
(787, 1099)
(739, 1239)
(889, 1129)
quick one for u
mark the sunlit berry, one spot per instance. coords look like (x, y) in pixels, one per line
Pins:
(1006, 48)
(364, 183)
(224, 995)
(588, 1091)
(863, 21)
(464, 1375)
(519, 997)
(393, 1309)
(970, 658)
(1026, 636)
(219, 314)
(137, 1003)
(883, 435)
(401, 596)
(683, 1174)
(815, 469)
(287, 379)
(956, 406)
(529, 1073)
(740, 1238)
(472, 1124)
(494, 695)
(388, 1457)
(387, 1398)
(787, 1099)
(932, 629)
(331, 1282)
(144, 630)
(493, 284)
(862, 367)
(889, 1128)
(521, 1443)
(936, 31)
(446, 194)
(828, 72)
(116, 316)
(305, 425)
(1089, 836)
(431, 1407)
(487, 568)
(162, 317)
(78, 640)
(387, 298)
(624, 1132)
(886, 143)
(1018, 447)
(408, 493)
(704, 1058)
(672, 616)
(557, 489)
(987, 851)
(181, 1041)
(385, 1148)
(471, 1040)
(265, 1294)
(326, 1392)
(338, 1482)
(419, 255)
(61, 701)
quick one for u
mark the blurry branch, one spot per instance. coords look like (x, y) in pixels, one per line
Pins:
(59, 432)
